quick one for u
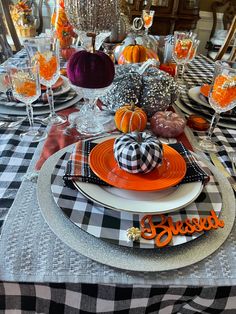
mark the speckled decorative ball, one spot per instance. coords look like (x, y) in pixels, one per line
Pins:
(138, 152)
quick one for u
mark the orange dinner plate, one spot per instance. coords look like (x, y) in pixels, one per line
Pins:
(205, 90)
(58, 83)
(169, 173)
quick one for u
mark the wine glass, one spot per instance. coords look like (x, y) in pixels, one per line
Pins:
(222, 98)
(45, 51)
(193, 50)
(25, 87)
(192, 54)
(4, 83)
(181, 50)
(147, 16)
(5, 86)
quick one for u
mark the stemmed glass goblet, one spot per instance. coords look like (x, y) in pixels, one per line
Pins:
(89, 121)
(4, 83)
(222, 98)
(181, 50)
(45, 52)
(192, 54)
(147, 16)
(25, 87)
(193, 50)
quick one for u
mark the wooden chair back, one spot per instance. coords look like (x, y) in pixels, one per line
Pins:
(231, 35)
(229, 11)
(5, 49)
(6, 11)
(43, 10)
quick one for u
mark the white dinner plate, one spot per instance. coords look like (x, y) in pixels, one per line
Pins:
(141, 202)
(39, 110)
(194, 94)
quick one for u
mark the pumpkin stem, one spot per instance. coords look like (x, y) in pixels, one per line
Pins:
(93, 35)
(139, 137)
(132, 103)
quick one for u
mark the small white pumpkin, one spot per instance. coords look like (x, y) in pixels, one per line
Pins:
(138, 152)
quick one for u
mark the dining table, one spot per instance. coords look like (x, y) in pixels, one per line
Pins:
(48, 264)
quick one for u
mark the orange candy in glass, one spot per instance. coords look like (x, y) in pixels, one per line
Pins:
(222, 97)
(221, 94)
(24, 81)
(183, 48)
(26, 89)
(47, 67)
(45, 52)
(183, 43)
(147, 16)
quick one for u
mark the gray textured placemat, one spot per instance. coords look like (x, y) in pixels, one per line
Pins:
(29, 251)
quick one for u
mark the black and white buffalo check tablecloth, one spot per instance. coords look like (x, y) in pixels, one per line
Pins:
(15, 297)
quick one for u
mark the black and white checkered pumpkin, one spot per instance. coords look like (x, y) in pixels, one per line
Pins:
(138, 152)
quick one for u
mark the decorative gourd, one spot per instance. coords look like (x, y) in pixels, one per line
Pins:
(138, 152)
(167, 124)
(130, 118)
(169, 68)
(134, 54)
(66, 53)
(127, 57)
(90, 70)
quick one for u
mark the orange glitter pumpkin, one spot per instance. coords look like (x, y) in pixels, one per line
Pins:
(130, 118)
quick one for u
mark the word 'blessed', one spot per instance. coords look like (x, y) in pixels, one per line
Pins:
(167, 228)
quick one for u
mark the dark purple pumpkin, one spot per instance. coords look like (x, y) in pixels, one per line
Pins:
(90, 70)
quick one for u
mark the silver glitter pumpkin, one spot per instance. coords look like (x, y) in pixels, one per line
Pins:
(92, 15)
(153, 90)
(159, 90)
(119, 30)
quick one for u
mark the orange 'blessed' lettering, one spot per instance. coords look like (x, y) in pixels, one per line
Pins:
(167, 228)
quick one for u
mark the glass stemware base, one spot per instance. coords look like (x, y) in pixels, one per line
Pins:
(207, 145)
(34, 135)
(90, 119)
(54, 119)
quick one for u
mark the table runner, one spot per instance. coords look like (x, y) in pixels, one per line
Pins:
(15, 157)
